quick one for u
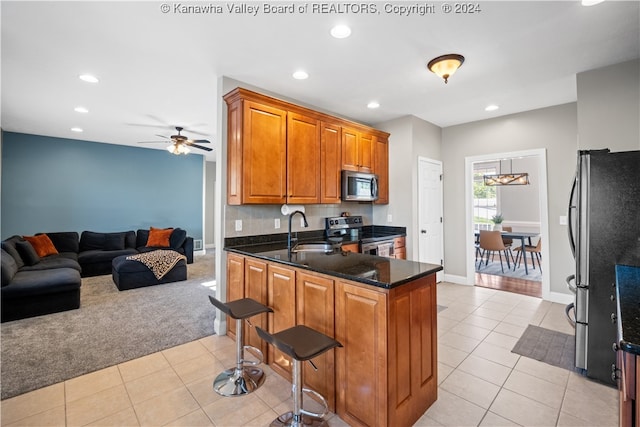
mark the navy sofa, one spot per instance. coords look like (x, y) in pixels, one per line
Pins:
(32, 286)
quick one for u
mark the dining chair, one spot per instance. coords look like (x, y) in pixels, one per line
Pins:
(508, 241)
(532, 250)
(490, 243)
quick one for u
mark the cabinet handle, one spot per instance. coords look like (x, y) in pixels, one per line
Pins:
(615, 372)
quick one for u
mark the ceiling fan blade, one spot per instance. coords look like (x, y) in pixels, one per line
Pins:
(200, 147)
(198, 141)
(152, 142)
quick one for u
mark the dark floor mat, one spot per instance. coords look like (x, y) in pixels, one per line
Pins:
(545, 345)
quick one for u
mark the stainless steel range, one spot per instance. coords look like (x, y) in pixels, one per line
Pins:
(351, 228)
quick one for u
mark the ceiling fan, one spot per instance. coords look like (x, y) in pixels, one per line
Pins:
(180, 143)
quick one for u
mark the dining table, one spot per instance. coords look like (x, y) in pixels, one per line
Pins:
(524, 237)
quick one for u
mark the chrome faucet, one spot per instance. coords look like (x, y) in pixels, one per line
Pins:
(306, 224)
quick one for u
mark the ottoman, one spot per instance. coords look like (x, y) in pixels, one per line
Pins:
(148, 268)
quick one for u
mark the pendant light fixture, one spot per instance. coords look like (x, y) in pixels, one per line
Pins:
(444, 66)
(507, 178)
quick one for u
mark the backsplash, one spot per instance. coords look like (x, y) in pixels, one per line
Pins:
(260, 219)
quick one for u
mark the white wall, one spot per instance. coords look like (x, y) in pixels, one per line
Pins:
(410, 138)
(553, 129)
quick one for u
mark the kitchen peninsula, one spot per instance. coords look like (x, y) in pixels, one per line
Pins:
(382, 310)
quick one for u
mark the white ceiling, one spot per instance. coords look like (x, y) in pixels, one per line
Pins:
(158, 70)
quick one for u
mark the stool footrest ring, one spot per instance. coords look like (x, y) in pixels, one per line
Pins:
(260, 356)
(323, 401)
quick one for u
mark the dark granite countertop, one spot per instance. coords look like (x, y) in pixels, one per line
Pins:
(369, 269)
(628, 301)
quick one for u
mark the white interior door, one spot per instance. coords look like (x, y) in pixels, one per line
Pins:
(430, 225)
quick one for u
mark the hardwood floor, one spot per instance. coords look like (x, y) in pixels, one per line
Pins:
(509, 284)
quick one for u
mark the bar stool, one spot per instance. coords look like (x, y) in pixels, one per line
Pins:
(300, 343)
(245, 377)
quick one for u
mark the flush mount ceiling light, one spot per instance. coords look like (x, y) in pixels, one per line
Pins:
(76, 129)
(373, 104)
(88, 78)
(591, 2)
(300, 75)
(492, 107)
(178, 148)
(80, 110)
(341, 31)
(507, 178)
(445, 65)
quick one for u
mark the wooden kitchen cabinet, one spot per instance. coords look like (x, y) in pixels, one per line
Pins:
(357, 150)
(400, 324)
(281, 296)
(279, 152)
(235, 286)
(255, 287)
(399, 248)
(330, 162)
(303, 159)
(256, 152)
(361, 368)
(381, 168)
(315, 309)
(350, 247)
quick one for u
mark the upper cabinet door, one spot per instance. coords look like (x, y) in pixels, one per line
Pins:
(365, 152)
(303, 159)
(264, 154)
(381, 168)
(350, 157)
(330, 162)
(357, 150)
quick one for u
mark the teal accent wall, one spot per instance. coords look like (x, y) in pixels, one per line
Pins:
(54, 184)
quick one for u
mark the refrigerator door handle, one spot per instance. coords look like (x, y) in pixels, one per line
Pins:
(572, 207)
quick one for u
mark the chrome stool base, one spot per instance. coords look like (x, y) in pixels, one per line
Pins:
(234, 382)
(288, 420)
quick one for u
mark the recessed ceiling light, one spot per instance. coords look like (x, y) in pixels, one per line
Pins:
(491, 107)
(80, 110)
(77, 129)
(88, 78)
(300, 75)
(341, 31)
(591, 2)
(373, 104)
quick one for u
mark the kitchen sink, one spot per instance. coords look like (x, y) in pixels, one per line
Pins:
(314, 247)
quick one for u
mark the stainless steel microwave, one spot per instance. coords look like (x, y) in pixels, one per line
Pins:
(359, 187)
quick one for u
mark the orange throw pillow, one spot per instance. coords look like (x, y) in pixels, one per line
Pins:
(159, 238)
(42, 244)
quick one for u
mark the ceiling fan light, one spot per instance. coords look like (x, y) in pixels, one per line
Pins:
(178, 149)
(446, 65)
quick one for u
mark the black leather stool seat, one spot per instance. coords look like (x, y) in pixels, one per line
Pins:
(240, 309)
(299, 342)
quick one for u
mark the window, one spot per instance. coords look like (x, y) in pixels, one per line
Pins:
(485, 203)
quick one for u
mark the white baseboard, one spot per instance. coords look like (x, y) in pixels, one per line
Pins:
(200, 252)
(458, 280)
(559, 297)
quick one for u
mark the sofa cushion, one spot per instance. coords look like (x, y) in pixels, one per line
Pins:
(9, 268)
(42, 244)
(114, 241)
(9, 245)
(177, 238)
(54, 261)
(158, 237)
(65, 241)
(30, 283)
(98, 256)
(90, 240)
(27, 253)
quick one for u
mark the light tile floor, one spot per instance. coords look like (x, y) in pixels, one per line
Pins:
(481, 383)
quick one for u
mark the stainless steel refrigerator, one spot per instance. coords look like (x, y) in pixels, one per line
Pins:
(604, 221)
